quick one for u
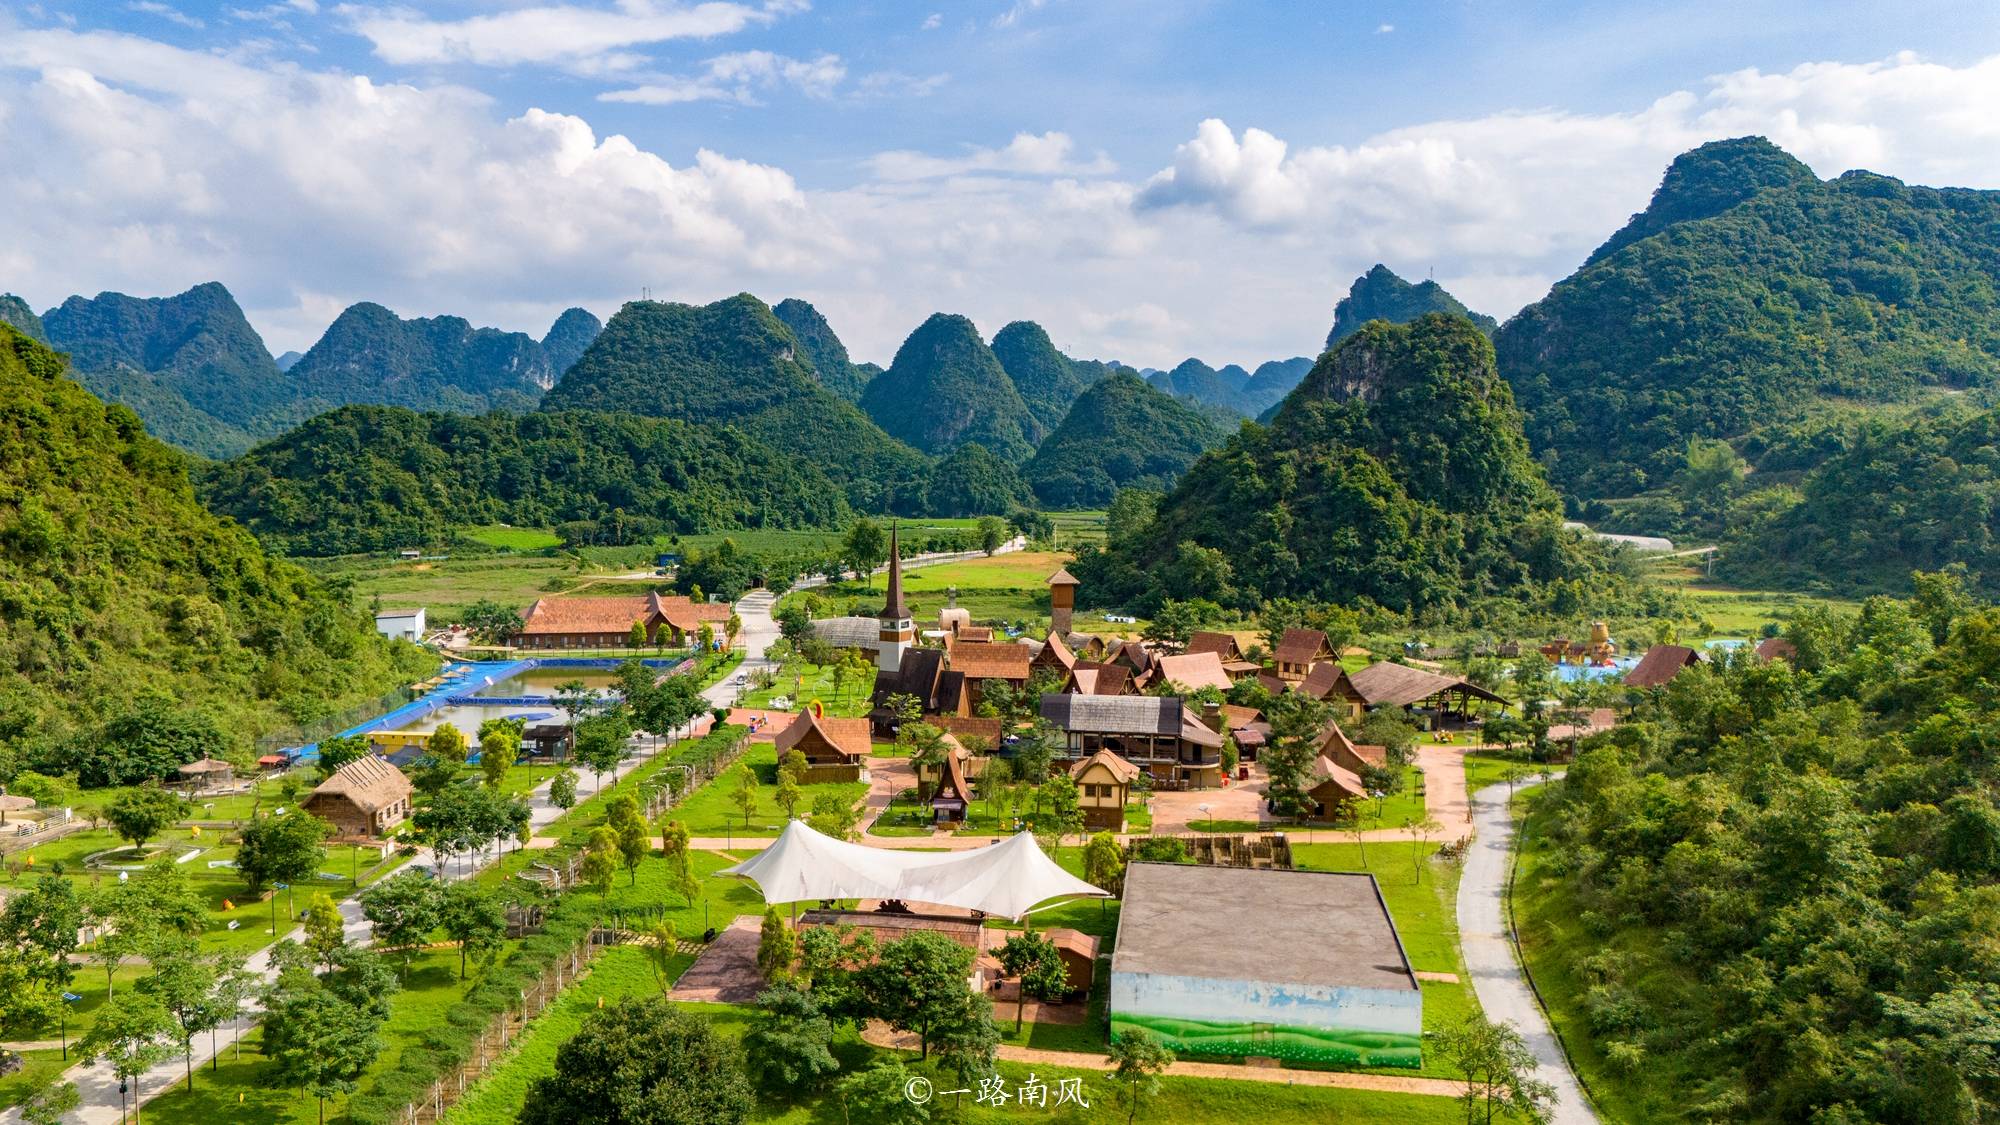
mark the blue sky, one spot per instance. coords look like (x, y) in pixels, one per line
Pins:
(1148, 180)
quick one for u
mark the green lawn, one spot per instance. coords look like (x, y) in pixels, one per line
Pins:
(506, 538)
(801, 683)
(1005, 588)
(711, 811)
(1008, 811)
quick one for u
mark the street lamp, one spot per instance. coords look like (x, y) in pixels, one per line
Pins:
(62, 1019)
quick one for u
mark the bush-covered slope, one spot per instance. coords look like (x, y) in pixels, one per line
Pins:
(823, 349)
(190, 364)
(369, 354)
(945, 388)
(970, 481)
(1271, 382)
(568, 337)
(1048, 381)
(15, 311)
(1773, 896)
(1396, 472)
(1380, 294)
(735, 362)
(1121, 433)
(1722, 321)
(133, 623)
(1904, 496)
(368, 478)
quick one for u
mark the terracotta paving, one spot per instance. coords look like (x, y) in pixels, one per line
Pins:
(726, 972)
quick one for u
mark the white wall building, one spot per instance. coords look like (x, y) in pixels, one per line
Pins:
(401, 624)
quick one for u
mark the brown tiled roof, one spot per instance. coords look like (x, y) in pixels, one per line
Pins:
(850, 736)
(1346, 780)
(1073, 941)
(985, 730)
(991, 660)
(688, 615)
(1777, 648)
(206, 765)
(1195, 731)
(1270, 682)
(585, 615)
(1323, 678)
(1058, 651)
(1194, 670)
(975, 633)
(1660, 664)
(368, 782)
(1062, 577)
(1122, 771)
(1300, 646)
(1221, 644)
(1387, 684)
(953, 781)
(1238, 717)
(1088, 678)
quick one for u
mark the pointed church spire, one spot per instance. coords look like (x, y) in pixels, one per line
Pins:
(894, 609)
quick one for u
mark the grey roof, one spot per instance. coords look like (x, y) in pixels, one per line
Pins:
(849, 632)
(1114, 714)
(1252, 924)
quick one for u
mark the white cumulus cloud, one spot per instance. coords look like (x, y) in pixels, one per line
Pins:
(1044, 154)
(557, 34)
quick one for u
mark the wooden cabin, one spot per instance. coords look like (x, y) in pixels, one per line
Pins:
(1298, 650)
(1104, 787)
(835, 749)
(367, 797)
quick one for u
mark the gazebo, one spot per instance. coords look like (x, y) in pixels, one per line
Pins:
(1010, 879)
(207, 773)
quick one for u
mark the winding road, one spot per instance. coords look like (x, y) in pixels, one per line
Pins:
(1497, 977)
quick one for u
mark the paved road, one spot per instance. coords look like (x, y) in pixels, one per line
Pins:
(1496, 974)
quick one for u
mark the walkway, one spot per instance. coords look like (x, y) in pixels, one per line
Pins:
(1497, 978)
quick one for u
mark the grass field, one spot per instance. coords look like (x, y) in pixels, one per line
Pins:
(506, 538)
(711, 812)
(1006, 589)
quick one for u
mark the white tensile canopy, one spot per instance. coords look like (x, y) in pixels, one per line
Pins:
(1008, 880)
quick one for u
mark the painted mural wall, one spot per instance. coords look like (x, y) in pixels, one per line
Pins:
(1293, 1022)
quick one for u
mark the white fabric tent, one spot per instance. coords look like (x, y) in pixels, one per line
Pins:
(1008, 880)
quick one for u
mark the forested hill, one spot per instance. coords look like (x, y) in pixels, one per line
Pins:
(1773, 897)
(15, 311)
(1903, 496)
(823, 349)
(1121, 433)
(1396, 472)
(946, 388)
(1229, 393)
(567, 338)
(1746, 294)
(1048, 381)
(1193, 379)
(734, 361)
(137, 630)
(1380, 294)
(369, 354)
(190, 364)
(374, 478)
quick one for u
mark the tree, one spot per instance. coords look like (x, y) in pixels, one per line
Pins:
(27, 999)
(286, 849)
(132, 1033)
(601, 742)
(143, 813)
(1037, 968)
(642, 1062)
(789, 1048)
(637, 637)
(992, 533)
(475, 917)
(744, 794)
(490, 621)
(1104, 863)
(1065, 813)
(968, 1041)
(51, 1101)
(562, 789)
(661, 943)
(777, 947)
(794, 623)
(576, 699)
(917, 983)
(46, 919)
(405, 909)
(1421, 829)
(1172, 624)
(1137, 1060)
(1498, 1067)
(1298, 722)
(339, 750)
(321, 1035)
(789, 794)
(600, 859)
(325, 929)
(499, 745)
(833, 815)
(447, 744)
(192, 988)
(926, 747)
(1035, 750)
(864, 549)
(879, 1096)
(634, 840)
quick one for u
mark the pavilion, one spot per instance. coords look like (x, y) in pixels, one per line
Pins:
(1010, 879)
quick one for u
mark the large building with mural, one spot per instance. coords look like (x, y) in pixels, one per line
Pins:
(1297, 966)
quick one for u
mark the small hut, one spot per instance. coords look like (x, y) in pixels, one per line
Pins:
(365, 797)
(207, 774)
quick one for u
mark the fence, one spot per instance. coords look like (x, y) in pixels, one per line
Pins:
(491, 1045)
